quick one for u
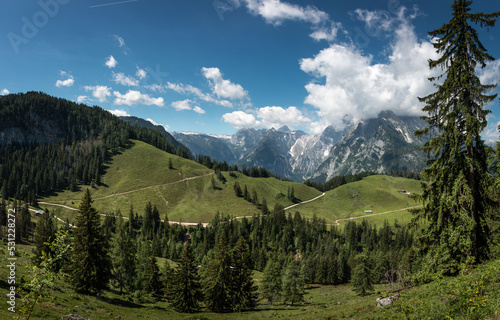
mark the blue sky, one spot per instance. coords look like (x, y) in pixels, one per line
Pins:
(217, 66)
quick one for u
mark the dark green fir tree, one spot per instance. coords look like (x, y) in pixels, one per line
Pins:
(186, 289)
(167, 280)
(362, 281)
(264, 209)
(455, 195)
(218, 283)
(272, 284)
(244, 291)
(90, 265)
(293, 283)
(144, 252)
(152, 278)
(123, 258)
(44, 235)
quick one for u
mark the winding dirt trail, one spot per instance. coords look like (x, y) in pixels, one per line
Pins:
(289, 207)
(205, 224)
(127, 192)
(135, 190)
(307, 201)
(166, 184)
(371, 215)
(70, 225)
(107, 215)
(156, 186)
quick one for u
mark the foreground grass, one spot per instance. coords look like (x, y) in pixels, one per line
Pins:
(476, 293)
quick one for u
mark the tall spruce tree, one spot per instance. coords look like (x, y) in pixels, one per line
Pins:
(167, 280)
(264, 209)
(186, 289)
(244, 291)
(293, 283)
(455, 198)
(144, 252)
(148, 223)
(271, 284)
(362, 281)
(90, 265)
(152, 278)
(131, 221)
(123, 258)
(44, 235)
(218, 283)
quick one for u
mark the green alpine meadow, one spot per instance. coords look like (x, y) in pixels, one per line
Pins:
(374, 195)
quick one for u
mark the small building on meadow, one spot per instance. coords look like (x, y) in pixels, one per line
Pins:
(368, 211)
(38, 213)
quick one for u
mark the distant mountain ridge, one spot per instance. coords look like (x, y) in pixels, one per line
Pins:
(383, 144)
(202, 144)
(273, 152)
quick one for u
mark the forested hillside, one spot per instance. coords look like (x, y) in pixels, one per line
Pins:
(48, 144)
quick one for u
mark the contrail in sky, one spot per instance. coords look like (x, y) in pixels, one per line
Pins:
(111, 4)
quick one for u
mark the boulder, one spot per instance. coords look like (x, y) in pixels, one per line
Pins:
(387, 301)
(73, 317)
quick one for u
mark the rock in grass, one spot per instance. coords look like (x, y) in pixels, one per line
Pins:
(73, 317)
(387, 301)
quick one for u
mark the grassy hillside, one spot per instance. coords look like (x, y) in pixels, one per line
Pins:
(141, 174)
(377, 193)
(471, 295)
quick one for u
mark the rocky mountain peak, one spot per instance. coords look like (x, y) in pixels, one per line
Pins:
(284, 129)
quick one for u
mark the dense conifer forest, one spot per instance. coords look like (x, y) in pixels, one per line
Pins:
(77, 141)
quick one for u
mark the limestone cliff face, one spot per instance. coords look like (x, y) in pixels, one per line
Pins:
(384, 144)
(32, 127)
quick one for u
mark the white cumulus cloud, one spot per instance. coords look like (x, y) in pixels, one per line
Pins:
(99, 92)
(491, 73)
(356, 88)
(181, 105)
(199, 110)
(276, 11)
(136, 97)
(268, 117)
(326, 33)
(224, 88)
(111, 62)
(167, 128)
(152, 121)
(119, 113)
(67, 82)
(4, 92)
(81, 99)
(141, 73)
(189, 89)
(124, 80)
(240, 119)
(276, 117)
